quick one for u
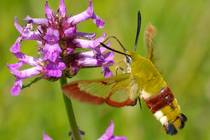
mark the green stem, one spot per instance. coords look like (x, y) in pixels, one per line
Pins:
(71, 117)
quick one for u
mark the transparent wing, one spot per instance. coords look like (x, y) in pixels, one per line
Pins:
(116, 91)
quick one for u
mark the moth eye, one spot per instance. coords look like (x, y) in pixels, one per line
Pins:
(128, 59)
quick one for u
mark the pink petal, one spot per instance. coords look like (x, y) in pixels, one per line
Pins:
(16, 46)
(108, 133)
(46, 137)
(51, 52)
(62, 8)
(87, 14)
(82, 43)
(17, 25)
(38, 21)
(16, 88)
(48, 11)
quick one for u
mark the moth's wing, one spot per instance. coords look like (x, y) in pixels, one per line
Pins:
(114, 91)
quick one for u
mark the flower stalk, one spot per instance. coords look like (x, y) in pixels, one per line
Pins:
(70, 113)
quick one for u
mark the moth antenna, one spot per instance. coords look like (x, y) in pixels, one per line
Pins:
(140, 103)
(105, 46)
(119, 42)
(138, 29)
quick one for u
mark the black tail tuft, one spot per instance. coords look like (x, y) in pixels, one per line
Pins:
(183, 119)
(170, 129)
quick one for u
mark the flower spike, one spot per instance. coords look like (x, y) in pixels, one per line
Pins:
(57, 39)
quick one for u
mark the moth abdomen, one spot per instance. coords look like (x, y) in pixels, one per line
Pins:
(166, 109)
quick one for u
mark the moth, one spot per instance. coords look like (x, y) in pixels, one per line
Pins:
(139, 80)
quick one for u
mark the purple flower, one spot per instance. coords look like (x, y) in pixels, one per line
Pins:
(109, 134)
(46, 137)
(58, 39)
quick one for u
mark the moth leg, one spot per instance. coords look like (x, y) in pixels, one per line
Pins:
(139, 100)
(149, 40)
(119, 69)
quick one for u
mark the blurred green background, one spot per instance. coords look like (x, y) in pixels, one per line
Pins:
(182, 54)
